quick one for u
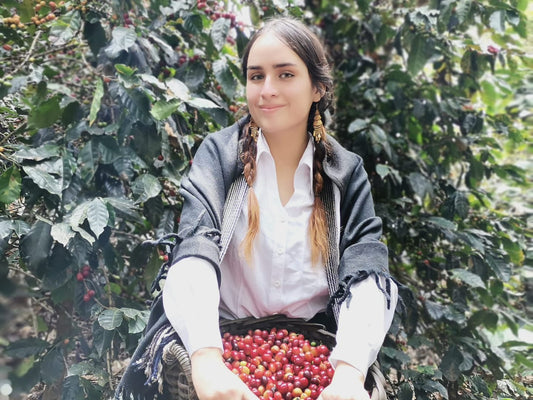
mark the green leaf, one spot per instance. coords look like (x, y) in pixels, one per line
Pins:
(125, 70)
(102, 339)
(53, 366)
(224, 77)
(25, 10)
(6, 229)
(36, 244)
(39, 153)
(166, 224)
(122, 39)
(87, 162)
(26, 347)
(450, 363)
(66, 27)
(111, 318)
(431, 386)
(501, 268)
(199, 102)
(164, 109)
(98, 216)
(108, 150)
(463, 10)
(47, 175)
(97, 99)
(135, 326)
(95, 35)
(124, 206)
(443, 223)
(384, 170)
(405, 392)
(44, 114)
(78, 215)
(10, 184)
(419, 54)
(421, 185)
(178, 89)
(357, 125)
(62, 233)
(497, 21)
(468, 277)
(486, 318)
(145, 187)
(435, 310)
(72, 389)
(219, 32)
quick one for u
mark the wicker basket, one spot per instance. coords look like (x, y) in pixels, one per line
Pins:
(177, 366)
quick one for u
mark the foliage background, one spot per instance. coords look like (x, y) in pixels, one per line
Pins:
(103, 104)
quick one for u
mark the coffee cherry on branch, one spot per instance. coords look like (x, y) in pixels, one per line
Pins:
(277, 364)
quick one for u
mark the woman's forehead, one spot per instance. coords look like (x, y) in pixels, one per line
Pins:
(269, 49)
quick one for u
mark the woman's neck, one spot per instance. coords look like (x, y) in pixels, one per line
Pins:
(287, 150)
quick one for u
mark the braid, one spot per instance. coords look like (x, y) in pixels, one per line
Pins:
(318, 230)
(248, 159)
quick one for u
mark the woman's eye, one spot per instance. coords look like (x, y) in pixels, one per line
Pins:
(255, 77)
(286, 75)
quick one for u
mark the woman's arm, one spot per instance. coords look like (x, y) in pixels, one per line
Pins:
(190, 299)
(363, 325)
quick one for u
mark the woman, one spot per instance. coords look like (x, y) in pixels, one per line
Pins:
(278, 219)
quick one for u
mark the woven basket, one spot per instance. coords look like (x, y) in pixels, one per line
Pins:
(177, 379)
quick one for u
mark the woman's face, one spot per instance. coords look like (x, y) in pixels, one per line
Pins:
(279, 90)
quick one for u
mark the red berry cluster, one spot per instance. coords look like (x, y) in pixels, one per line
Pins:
(83, 273)
(217, 11)
(277, 364)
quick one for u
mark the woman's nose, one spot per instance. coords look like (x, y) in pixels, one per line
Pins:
(269, 87)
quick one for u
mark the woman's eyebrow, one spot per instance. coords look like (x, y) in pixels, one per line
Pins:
(275, 66)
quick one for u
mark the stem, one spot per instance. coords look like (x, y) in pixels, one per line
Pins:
(109, 370)
(28, 54)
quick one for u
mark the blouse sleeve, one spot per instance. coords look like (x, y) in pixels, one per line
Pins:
(362, 253)
(362, 326)
(203, 191)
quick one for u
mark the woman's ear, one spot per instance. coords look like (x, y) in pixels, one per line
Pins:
(320, 90)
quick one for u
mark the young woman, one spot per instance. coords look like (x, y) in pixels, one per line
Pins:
(278, 219)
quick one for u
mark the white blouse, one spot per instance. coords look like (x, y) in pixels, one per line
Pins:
(280, 279)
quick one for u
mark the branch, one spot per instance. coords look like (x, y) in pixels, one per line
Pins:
(28, 54)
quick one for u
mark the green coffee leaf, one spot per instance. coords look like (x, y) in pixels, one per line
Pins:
(468, 277)
(164, 109)
(45, 114)
(122, 39)
(98, 216)
(53, 366)
(111, 318)
(97, 99)
(37, 154)
(145, 187)
(219, 32)
(26, 347)
(10, 184)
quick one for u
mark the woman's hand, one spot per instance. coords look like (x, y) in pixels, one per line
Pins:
(347, 384)
(213, 380)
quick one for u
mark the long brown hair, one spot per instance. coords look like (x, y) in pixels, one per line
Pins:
(300, 39)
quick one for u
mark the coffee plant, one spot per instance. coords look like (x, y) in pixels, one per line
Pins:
(103, 104)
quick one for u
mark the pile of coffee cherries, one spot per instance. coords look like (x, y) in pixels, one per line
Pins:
(278, 364)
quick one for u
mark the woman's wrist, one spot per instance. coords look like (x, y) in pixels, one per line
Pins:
(349, 371)
(206, 353)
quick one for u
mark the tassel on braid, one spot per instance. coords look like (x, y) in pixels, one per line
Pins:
(248, 159)
(318, 230)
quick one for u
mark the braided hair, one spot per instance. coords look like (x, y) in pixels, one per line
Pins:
(300, 39)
